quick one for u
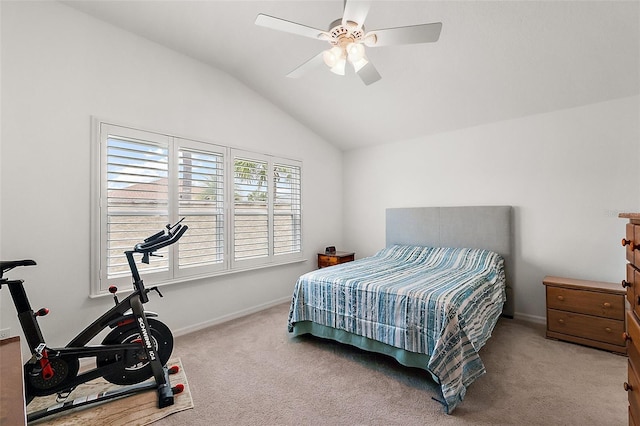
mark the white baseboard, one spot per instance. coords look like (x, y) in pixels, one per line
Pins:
(192, 328)
(530, 318)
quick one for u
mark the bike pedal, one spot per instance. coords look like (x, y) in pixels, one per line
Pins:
(173, 369)
(179, 388)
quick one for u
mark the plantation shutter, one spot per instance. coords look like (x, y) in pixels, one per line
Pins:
(287, 210)
(243, 208)
(137, 199)
(251, 209)
(201, 203)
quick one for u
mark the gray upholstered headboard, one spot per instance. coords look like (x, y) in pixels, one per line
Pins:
(486, 227)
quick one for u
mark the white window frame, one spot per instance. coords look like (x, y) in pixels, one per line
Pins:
(174, 274)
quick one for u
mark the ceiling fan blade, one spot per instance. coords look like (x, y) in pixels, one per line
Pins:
(425, 33)
(369, 74)
(355, 11)
(311, 63)
(290, 27)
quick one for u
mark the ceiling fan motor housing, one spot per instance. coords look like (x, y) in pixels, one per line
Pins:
(341, 35)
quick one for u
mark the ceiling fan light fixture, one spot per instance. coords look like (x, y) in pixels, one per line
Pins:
(339, 67)
(332, 56)
(355, 52)
(370, 39)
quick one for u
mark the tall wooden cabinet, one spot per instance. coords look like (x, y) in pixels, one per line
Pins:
(631, 242)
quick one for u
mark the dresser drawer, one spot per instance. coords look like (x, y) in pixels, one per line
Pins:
(633, 239)
(586, 302)
(633, 289)
(631, 285)
(325, 260)
(633, 333)
(595, 328)
(633, 356)
(336, 258)
(633, 391)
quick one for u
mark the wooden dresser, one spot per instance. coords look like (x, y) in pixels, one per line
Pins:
(631, 242)
(586, 312)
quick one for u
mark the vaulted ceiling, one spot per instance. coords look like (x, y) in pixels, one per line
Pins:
(495, 60)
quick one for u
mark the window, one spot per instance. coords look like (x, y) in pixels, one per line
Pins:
(287, 210)
(201, 203)
(136, 197)
(266, 209)
(147, 180)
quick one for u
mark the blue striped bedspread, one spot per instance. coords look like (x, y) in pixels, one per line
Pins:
(442, 302)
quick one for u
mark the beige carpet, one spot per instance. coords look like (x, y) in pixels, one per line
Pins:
(137, 409)
(250, 372)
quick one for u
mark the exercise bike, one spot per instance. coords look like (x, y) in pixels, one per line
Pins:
(136, 349)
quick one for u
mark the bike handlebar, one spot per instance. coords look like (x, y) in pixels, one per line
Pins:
(162, 239)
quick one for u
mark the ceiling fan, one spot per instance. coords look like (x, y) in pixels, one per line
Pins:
(348, 39)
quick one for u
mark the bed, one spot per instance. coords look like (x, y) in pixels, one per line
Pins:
(430, 298)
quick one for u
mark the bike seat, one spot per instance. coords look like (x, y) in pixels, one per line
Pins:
(10, 264)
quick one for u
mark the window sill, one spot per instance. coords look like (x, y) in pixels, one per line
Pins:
(182, 280)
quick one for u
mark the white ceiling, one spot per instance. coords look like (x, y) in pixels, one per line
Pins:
(494, 61)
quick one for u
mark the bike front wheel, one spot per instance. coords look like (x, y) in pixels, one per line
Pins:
(138, 369)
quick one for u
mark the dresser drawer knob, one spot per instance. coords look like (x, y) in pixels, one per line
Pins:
(607, 305)
(607, 329)
(561, 298)
(561, 321)
(625, 336)
(627, 387)
(625, 284)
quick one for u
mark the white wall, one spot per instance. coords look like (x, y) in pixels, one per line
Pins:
(567, 174)
(60, 67)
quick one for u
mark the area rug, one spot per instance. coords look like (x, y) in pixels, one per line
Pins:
(138, 409)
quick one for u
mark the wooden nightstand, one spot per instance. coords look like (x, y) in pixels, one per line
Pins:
(326, 259)
(586, 312)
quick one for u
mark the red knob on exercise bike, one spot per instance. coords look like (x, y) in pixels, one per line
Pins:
(113, 289)
(41, 312)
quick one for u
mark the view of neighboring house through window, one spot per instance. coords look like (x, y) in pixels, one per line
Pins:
(243, 209)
